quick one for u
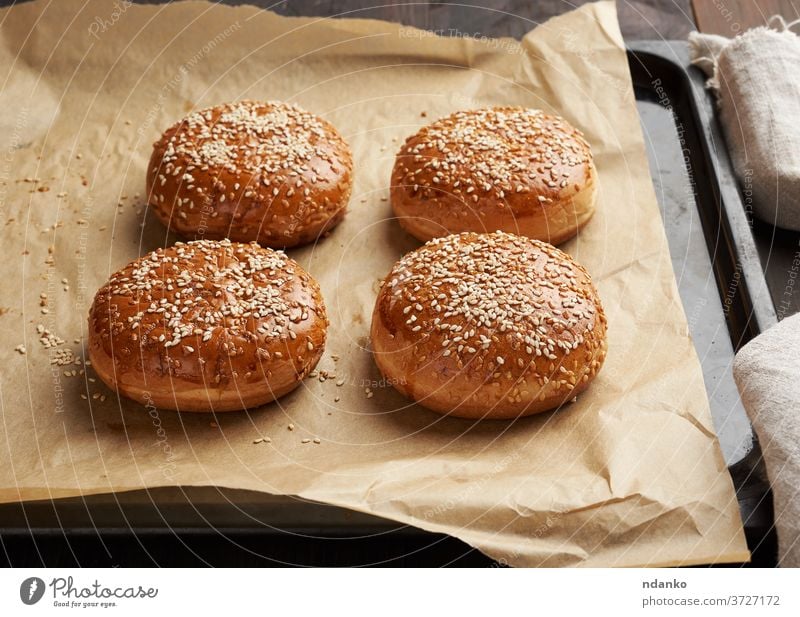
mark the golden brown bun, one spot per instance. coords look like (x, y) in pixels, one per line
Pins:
(502, 168)
(268, 172)
(207, 326)
(488, 326)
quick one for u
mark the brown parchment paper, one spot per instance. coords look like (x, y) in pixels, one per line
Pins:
(630, 474)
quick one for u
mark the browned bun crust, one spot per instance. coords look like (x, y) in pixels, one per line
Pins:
(488, 326)
(268, 172)
(502, 168)
(207, 326)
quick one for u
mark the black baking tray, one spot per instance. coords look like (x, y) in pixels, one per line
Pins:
(717, 261)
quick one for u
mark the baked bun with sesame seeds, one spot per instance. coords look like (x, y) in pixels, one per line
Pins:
(268, 172)
(488, 326)
(501, 168)
(207, 326)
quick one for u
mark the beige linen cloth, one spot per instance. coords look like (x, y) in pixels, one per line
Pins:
(630, 474)
(756, 78)
(767, 372)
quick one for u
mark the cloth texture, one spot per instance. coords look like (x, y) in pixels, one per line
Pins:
(766, 371)
(756, 78)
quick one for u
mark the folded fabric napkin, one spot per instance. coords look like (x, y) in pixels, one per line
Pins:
(767, 372)
(756, 77)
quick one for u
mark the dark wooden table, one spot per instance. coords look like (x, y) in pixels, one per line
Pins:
(639, 19)
(731, 17)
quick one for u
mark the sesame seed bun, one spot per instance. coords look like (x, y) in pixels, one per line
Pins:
(207, 326)
(502, 168)
(488, 326)
(268, 172)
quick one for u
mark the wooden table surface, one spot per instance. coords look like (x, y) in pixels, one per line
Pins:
(731, 17)
(639, 19)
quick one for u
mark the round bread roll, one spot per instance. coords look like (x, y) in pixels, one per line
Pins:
(501, 168)
(268, 172)
(488, 326)
(207, 326)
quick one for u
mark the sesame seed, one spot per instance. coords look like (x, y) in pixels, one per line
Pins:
(202, 288)
(271, 144)
(493, 150)
(488, 293)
